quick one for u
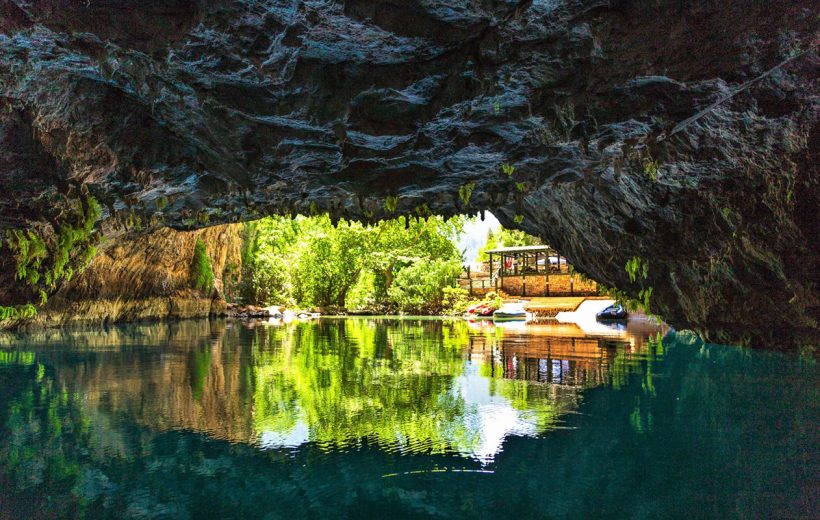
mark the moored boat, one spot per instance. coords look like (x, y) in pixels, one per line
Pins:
(481, 311)
(613, 312)
(510, 312)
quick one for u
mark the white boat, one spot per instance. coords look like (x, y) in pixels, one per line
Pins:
(510, 312)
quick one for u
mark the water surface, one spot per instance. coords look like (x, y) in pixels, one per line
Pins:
(410, 418)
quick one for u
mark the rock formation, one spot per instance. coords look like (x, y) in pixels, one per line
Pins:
(680, 134)
(147, 277)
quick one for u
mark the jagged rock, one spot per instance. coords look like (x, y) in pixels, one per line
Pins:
(190, 113)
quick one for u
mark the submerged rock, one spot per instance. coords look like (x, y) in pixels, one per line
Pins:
(571, 118)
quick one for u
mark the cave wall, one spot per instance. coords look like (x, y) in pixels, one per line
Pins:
(562, 117)
(147, 277)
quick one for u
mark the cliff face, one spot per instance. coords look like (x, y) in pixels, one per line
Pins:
(147, 277)
(569, 119)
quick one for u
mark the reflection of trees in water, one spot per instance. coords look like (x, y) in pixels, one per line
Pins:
(163, 376)
(44, 433)
(394, 382)
(734, 436)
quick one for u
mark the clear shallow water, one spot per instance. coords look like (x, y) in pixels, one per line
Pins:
(375, 418)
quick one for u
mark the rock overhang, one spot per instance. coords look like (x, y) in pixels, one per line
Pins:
(550, 111)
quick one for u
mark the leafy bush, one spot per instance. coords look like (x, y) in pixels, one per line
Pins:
(456, 300)
(202, 272)
(419, 288)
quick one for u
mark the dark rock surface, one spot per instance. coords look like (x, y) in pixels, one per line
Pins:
(188, 113)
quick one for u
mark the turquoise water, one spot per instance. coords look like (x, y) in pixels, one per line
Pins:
(388, 418)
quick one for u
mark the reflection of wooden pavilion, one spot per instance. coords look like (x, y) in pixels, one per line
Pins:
(562, 353)
(534, 271)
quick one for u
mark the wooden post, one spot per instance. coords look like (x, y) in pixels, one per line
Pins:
(491, 268)
(501, 269)
(524, 276)
(547, 274)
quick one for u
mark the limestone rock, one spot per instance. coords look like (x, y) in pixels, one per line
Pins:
(147, 278)
(192, 112)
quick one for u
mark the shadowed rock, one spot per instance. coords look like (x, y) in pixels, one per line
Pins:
(233, 110)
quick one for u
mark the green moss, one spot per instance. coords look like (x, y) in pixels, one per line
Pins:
(133, 222)
(638, 271)
(390, 203)
(423, 211)
(465, 193)
(637, 267)
(202, 272)
(43, 265)
(651, 168)
(75, 240)
(19, 312)
(162, 203)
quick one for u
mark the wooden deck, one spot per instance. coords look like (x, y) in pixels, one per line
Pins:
(549, 307)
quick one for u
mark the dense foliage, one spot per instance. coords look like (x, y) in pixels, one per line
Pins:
(397, 265)
(42, 263)
(202, 272)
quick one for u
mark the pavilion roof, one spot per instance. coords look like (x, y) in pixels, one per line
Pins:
(520, 249)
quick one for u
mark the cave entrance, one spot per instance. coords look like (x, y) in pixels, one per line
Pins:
(410, 265)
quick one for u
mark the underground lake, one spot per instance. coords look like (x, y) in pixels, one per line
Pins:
(402, 418)
(426, 259)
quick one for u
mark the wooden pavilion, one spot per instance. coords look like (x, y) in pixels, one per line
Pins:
(534, 271)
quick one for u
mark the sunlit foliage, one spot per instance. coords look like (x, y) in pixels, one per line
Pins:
(202, 272)
(504, 237)
(308, 261)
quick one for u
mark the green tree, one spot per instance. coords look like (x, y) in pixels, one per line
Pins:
(310, 262)
(504, 237)
(419, 287)
(328, 261)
